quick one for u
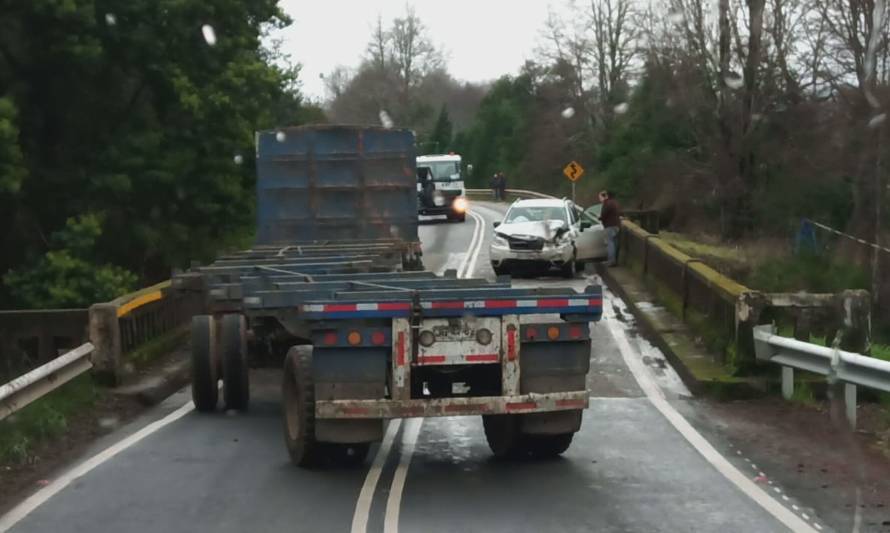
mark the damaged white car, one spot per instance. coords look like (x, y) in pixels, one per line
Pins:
(546, 234)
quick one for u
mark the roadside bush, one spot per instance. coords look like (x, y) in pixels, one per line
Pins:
(807, 272)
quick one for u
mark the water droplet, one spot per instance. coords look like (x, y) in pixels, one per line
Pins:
(394, 231)
(568, 112)
(734, 81)
(110, 19)
(438, 198)
(385, 119)
(280, 136)
(877, 120)
(108, 422)
(238, 159)
(676, 16)
(209, 34)
(621, 108)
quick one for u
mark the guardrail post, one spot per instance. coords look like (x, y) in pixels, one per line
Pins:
(854, 330)
(787, 382)
(105, 334)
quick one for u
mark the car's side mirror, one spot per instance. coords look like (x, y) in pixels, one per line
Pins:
(496, 224)
(586, 224)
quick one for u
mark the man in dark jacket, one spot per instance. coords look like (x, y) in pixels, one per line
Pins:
(610, 216)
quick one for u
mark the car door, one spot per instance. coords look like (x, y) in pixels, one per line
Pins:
(591, 240)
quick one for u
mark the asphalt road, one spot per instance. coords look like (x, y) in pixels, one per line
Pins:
(633, 466)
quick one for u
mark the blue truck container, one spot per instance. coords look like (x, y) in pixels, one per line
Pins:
(335, 183)
(333, 292)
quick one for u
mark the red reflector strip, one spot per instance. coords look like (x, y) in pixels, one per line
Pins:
(500, 304)
(553, 303)
(400, 349)
(411, 411)
(482, 358)
(596, 302)
(521, 406)
(393, 306)
(333, 308)
(580, 404)
(511, 344)
(330, 338)
(430, 359)
(575, 332)
(447, 305)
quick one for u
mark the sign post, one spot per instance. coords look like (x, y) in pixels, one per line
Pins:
(573, 171)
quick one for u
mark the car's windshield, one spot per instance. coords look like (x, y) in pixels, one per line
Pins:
(444, 170)
(535, 214)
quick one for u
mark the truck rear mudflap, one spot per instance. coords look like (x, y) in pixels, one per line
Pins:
(485, 405)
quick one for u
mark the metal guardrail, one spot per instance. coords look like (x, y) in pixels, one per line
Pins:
(514, 192)
(44, 379)
(847, 368)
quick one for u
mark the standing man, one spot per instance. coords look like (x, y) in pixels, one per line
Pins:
(495, 188)
(502, 185)
(610, 216)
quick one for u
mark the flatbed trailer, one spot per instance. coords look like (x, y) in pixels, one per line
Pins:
(363, 336)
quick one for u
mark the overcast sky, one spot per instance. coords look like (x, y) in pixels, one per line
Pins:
(482, 39)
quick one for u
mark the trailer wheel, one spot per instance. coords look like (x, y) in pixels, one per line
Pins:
(233, 348)
(298, 397)
(544, 446)
(205, 389)
(502, 434)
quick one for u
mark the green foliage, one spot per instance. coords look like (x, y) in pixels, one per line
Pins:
(44, 420)
(807, 272)
(12, 173)
(67, 275)
(498, 137)
(126, 111)
(440, 138)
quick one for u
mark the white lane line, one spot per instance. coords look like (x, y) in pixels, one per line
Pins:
(412, 429)
(475, 245)
(394, 501)
(480, 223)
(40, 497)
(366, 496)
(704, 448)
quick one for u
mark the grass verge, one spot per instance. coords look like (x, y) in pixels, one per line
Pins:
(44, 420)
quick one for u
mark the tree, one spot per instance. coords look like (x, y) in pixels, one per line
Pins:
(137, 118)
(440, 139)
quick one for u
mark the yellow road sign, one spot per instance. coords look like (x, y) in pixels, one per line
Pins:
(573, 171)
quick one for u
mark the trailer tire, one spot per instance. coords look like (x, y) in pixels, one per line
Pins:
(298, 399)
(205, 388)
(503, 436)
(546, 446)
(233, 348)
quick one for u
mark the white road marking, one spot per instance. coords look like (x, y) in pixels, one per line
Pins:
(480, 223)
(394, 501)
(475, 246)
(37, 499)
(366, 496)
(412, 428)
(704, 448)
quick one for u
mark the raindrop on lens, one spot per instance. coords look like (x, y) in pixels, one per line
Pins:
(238, 159)
(733, 81)
(438, 198)
(621, 108)
(568, 112)
(110, 19)
(280, 136)
(676, 17)
(394, 231)
(877, 120)
(385, 119)
(209, 34)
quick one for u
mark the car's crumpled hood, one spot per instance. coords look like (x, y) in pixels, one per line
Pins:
(546, 229)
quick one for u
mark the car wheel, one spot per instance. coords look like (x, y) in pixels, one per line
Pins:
(499, 270)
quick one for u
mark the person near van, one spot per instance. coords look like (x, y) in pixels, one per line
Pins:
(502, 185)
(610, 216)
